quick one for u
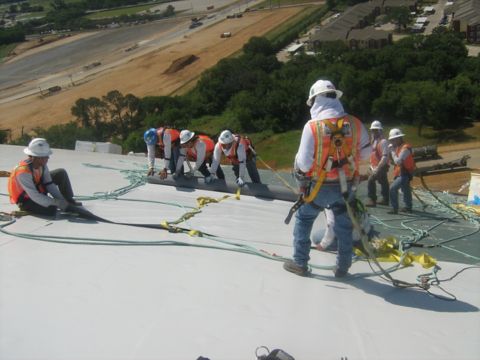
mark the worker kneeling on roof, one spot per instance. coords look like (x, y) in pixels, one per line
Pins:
(31, 182)
(198, 148)
(239, 150)
(326, 168)
(168, 141)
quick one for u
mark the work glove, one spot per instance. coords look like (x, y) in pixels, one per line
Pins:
(390, 147)
(151, 172)
(61, 204)
(209, 179)
(189, 174)
(163, 174)
(240, 182)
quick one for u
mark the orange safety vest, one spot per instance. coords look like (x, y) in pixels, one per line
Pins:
(376, 154)
(192, 153)
(16, 190)
(174, 136)
(408, 164)
(233, 156)
(350, 138)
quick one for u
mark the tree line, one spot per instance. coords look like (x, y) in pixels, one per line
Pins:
(71, 16)
(419, 80)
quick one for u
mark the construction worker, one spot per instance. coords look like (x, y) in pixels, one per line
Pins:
(379, 165)
(240, 152)
(168, 141)
(31, 182)
(403, 170)
(326, 168)
(198, 148)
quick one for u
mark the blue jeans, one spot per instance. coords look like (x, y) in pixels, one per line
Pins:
(329, 196)
(401, 182)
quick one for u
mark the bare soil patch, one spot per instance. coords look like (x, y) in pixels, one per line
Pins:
(145, 75)
(180, 63)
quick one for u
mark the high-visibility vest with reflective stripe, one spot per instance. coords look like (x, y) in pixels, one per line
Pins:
(322, 135)
(408, 164)
(377, 152)
(210, 145)
(15, 189)
(174, 136)
(233, 156)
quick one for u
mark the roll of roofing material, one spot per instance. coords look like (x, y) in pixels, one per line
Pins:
(250, 189)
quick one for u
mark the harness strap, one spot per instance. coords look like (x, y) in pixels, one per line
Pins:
(336, 141)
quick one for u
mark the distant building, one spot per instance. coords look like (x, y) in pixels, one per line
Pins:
(466, 19)
(295, 49)
(369, 38)
(353, 26)
(387, 5)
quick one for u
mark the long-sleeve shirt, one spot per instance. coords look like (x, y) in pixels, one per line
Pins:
(26, 181)
(306, 151)
(199, 149)
(167, 150)
(384, 146)
(241, 156)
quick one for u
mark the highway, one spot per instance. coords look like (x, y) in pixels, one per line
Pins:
(60, 65)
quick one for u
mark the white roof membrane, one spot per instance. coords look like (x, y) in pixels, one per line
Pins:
(146, 294)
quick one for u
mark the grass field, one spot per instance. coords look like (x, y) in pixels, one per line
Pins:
(118, 12)
(45, 3)
(277, 3)
(279, 150)
(5, 50)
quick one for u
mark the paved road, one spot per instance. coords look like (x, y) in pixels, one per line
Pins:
(76, 54)
(73, 56)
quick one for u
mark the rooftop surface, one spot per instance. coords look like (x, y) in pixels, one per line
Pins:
(74, 288)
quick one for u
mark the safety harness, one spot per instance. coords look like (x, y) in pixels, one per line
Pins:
(345, 156)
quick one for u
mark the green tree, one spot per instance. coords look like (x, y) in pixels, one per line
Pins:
(90, 112)
(401, 16)
(258, 45)
(122, 111)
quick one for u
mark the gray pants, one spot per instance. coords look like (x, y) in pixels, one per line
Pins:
(252, 170)
(382, 177)
(59, 178)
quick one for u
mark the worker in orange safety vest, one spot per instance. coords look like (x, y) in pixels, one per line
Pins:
(168, 142)
(239, 150)
(198, 148)
(31, 182)
(404, 167)
(326, 169)
(379, 165)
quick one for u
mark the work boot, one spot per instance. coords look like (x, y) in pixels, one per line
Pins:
(339, 273)
(292, 267)
(383, 202)
(371, 203)
(393, 212)
(407, 210)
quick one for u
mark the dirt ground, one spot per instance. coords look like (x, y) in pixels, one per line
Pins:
(144, 75)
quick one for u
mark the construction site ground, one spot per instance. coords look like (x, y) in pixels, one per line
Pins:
(143, 75)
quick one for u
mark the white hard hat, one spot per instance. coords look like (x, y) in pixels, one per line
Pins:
(226, 137)
(38, 147)
(186, 136)
(322, 87)
(376, 125)
(395, 133)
